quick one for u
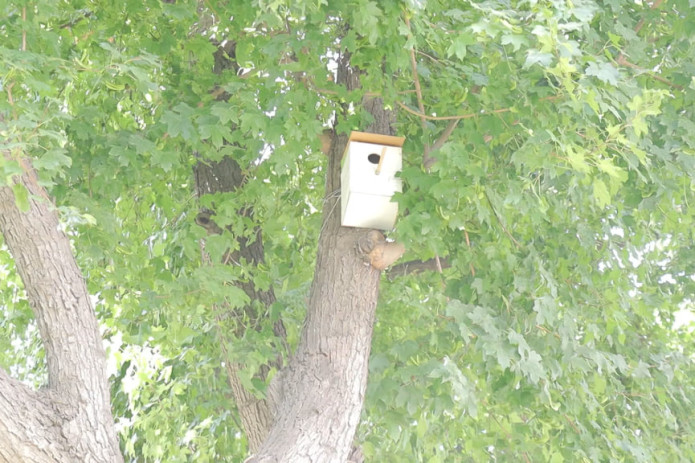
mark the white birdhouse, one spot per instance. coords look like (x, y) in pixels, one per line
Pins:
(368, 180)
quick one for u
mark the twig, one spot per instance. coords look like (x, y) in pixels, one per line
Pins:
(327, 91)
(9, 93)
(430, 160)
(418, 93)
(468, 243)
(516, 243)
(416, 77)
(427, 159)
(639, 25)
(445, 135)
(429, 56)
(439, 263)
(624, 62)
(24, 31)
(571, 423)
(209, 5)
(72, 23)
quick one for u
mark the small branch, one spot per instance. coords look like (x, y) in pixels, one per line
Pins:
(639, 25)
(516, 243)
(624, 62)
(571, 423)
(422, 115)
(445, 135)
(430, 160)
(426, 160)
(450, 118)
(9, 93)
(438, 262)
(468, 243)
(420, 52)
(74, 22)
(24, 31)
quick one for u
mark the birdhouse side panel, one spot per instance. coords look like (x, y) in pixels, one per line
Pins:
(369, 211)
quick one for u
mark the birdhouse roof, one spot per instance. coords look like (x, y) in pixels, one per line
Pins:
(375, 138)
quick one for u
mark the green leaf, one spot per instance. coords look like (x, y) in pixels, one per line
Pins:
(53, 160)
(367, 16)
(178, 121)
(21, 196)
(601, 194)
(607, 166)
(459, 45)
(538, 57)
(605, 72)
(515, 40)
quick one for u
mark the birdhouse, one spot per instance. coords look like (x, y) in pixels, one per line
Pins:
(368, 180)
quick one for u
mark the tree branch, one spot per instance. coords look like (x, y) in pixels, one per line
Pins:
(417, 266)
(23, 417)
(624, 62)
(429, 162)
(418, 92)
(445, 135)
(59, 299)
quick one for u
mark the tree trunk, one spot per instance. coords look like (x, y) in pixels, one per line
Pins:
(69, 420)
(322, 390)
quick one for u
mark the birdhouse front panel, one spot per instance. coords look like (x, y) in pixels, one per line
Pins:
(368, 182)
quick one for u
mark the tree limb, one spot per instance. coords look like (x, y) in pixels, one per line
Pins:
(417, 266)
(429, 162)
(24, 417)
(58, 296)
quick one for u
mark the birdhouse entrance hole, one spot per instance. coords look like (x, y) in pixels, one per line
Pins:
(374, 158)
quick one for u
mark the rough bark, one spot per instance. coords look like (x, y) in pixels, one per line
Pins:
(222, 177)
(322, 389)
(70, 420)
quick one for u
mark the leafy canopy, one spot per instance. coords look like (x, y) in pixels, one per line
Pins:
(561, 201)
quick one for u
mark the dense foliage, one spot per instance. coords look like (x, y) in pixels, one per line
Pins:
(559, 204)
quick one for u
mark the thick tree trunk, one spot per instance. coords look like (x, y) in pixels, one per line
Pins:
(322, 390)
(71, 419)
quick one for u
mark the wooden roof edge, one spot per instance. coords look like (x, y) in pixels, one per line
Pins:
(376, 138)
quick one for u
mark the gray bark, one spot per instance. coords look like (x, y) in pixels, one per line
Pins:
(70, 420)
